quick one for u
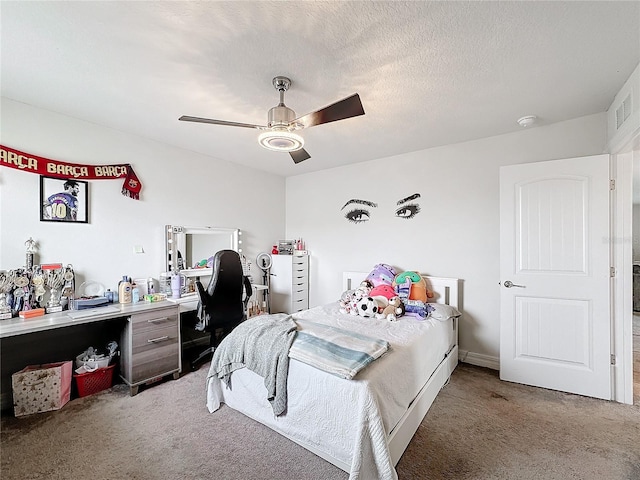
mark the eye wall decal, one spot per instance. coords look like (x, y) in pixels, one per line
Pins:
(361, 210)
(359, 214)
(408, 210)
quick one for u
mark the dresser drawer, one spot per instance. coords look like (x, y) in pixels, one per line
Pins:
(299, 294)
(299, 304)
(300, 270)
(299, 260)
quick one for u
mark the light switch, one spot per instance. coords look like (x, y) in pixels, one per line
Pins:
(138, 249)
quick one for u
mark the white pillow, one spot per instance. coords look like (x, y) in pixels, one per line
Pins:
(443, 312)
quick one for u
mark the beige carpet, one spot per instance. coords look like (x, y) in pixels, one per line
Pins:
(478, 428)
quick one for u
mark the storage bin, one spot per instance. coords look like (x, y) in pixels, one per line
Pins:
(94, 382)
(41, 388)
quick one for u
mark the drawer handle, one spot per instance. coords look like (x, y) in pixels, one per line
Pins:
(157, 320)
(159, 339)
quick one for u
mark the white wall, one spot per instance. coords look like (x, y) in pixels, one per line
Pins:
(179, 187)
(636, 208)
(455, 235)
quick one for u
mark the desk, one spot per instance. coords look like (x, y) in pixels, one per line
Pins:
(148, 335)
(189, 301)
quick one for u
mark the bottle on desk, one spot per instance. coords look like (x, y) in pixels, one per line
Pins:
(135, 293)
(124, 290)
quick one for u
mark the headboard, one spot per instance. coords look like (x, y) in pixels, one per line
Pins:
(445, 289)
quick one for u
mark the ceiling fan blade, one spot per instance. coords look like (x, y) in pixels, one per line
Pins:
(340, 110)
(186, 118)
(299, 155)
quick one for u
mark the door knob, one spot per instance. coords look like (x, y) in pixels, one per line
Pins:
(510, 284)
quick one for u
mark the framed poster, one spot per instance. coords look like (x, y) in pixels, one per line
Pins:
(64, 200)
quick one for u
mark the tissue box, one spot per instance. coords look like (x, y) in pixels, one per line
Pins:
(41, 388)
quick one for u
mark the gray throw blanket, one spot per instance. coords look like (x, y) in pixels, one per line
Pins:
(262, 345)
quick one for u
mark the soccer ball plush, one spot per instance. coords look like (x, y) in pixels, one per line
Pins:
(368, 307)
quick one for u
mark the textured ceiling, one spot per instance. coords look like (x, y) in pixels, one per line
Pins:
(428, 73)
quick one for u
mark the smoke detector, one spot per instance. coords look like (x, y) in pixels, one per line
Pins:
(527, 121)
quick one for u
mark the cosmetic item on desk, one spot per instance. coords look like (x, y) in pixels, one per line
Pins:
(177, 281)
(135, 293)
(124, 290)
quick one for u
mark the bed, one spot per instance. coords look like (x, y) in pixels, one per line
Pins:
(363, 425)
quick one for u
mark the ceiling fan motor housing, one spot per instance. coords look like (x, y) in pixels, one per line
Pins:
(280, 117)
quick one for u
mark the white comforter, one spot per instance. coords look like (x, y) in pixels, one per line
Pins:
(347, 420)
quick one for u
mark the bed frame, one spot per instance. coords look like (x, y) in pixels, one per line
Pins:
(446, 291)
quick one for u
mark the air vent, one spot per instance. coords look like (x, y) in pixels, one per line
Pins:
(623, 112)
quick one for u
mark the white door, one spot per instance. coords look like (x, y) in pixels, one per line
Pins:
(555, 275)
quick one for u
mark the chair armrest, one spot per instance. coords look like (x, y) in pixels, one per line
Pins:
(248, 290)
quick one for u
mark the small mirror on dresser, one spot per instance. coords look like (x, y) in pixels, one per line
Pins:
(187, 247)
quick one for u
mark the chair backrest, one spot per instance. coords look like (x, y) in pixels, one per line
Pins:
(224, 301)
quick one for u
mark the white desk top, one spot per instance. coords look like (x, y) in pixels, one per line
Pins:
(190, 301)
(20, 326)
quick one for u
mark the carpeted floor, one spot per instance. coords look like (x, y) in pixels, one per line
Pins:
(478, 428)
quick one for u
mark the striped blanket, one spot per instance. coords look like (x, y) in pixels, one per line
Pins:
(335, 350)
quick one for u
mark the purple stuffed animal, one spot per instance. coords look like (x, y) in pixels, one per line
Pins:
(382, 274)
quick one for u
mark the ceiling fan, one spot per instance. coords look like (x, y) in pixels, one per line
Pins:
(279, 133)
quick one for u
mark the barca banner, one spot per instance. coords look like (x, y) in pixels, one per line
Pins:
(12, 158)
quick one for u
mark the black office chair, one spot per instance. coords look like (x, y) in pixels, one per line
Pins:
(223, 304)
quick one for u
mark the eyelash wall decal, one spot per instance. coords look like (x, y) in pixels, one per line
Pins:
(408, 211)
(361, 210)
(357, 215)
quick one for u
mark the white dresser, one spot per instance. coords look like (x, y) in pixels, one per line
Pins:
(289, 288)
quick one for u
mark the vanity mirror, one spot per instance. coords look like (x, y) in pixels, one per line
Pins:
(186, 247)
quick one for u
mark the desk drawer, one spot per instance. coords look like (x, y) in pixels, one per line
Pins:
(151, 319)
(146, 327)
(151, 346)
(154, 350)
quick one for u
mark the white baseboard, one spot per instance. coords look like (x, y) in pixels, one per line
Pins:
(479, 359)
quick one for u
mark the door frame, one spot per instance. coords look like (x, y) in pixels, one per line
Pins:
(621, 240)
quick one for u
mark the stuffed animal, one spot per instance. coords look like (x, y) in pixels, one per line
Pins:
(385, 291)
(394, 310)
(411, 286)
(382, 274)
(350, 298)
(368, 307)
(417, 308)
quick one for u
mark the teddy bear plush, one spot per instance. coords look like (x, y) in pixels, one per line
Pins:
(394, 310)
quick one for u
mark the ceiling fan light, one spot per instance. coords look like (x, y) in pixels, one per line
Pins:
(281, 141)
